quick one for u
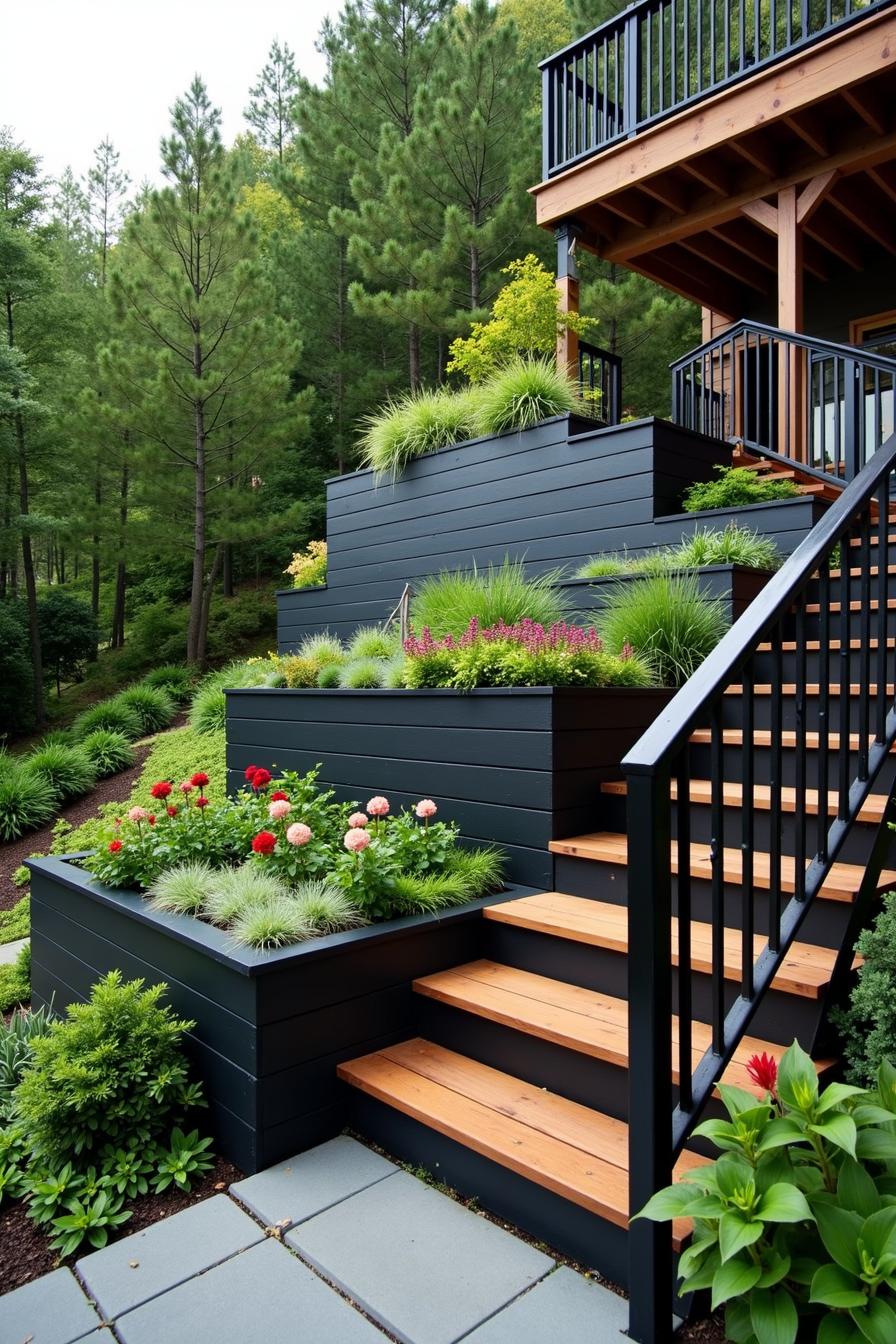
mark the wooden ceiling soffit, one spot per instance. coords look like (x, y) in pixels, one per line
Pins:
(827, 229)
(869, 212)
(808, 125)
(869, 102)
(669, 191)
(757, 149)
(710, 172)
(729, 261)
(839, 62)
(758, 246)
(676, 269)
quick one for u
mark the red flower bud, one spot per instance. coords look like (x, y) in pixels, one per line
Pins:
(250, 772)
(202, 802)
(763, 1069)
(115, 846)
(151, 819)
(264, 842)
(172, 811)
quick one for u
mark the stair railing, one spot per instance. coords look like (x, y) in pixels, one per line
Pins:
(828, 407)
(600, 382)
(855, 688)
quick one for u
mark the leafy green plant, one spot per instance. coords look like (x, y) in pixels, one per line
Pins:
(108, 751)
(372, 641)
(184, 889)
(308, 568)
(735, 486)
(113, 715)
(732, 545)
(361, 674)
(68, 770)
(113, 1069)
(602, 567)
(795, 1224)
(867, 1026)
(17, 1037)
(668, 621)
(16, 922)
(175, 678)
(208, 709)
(447, 602)
(415, 424)
(523, 393)
(27, 801)
(15, 980)
(89, 1220)
(154, 706)
(128, 1170)
(299, 671)
(186, 1158)
(322, 648)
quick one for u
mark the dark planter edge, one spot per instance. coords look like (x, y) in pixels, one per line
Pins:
(805, 501)
(481, 691)
(736, 571)
(215, 943)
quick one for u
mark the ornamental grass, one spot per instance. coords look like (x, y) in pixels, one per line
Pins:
(668, 620)
(446, 603)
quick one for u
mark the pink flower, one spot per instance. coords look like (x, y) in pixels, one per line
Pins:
(426, 808)
(378, 807)
(279, 808)
(186, 787)
(138, 814)
(298, 833)
(356, 839)
(358, 820)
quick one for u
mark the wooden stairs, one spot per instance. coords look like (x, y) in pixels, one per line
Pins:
(513, 1086)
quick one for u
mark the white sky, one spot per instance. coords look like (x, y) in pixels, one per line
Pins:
(76, 70)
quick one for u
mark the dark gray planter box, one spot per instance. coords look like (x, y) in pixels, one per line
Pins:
(734, 586)
(270, 1027)
(517, 767)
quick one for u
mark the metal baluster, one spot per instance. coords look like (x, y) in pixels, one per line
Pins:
(799, 816)
(661, 43)
(619, 116)
(673, 55)
(605, 102)
(596, 95)
(712, 42)
(824, 708)
(717, 857)
(685, 1009)
(757, 31)
(699, 40)
(748, 815)
(844, 698)
(576, 105)
(837, 435)
(864, 558)
(788, 443)
(687, 51)
(564, 114)
(741, 23)
(776, 760)
(726, 69)
(883, 659)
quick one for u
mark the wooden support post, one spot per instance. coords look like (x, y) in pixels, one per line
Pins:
(567, 235)
(792, 418)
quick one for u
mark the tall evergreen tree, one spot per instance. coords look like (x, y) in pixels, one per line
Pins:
(107, 185)
(269, 112)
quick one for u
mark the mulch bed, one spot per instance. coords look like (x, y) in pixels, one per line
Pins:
(25, 1248)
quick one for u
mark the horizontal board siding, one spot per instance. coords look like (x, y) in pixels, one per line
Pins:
(519, 709)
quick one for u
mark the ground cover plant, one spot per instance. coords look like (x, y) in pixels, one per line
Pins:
(668, 620)
(733, 487)
(731, 545)
(281, 861)
(795, 1222)
(95, 1111)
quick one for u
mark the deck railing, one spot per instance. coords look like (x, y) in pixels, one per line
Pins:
(600, 382)
(827, 406)
(657, 56)
(660, 765)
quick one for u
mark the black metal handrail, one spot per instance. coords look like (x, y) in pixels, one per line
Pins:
(814, 402)
(660, 766)
(600, 382)
(658, 56)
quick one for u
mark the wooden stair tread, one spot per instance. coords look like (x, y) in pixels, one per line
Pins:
(578, 1153)
(873, 807)
(834, 645)
(857, 572)
(805, 971)
(733, 737)
(842, 884)
(811, 688)
(813, 608)
(580, 1019)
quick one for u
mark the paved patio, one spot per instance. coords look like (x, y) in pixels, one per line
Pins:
(364, 1252)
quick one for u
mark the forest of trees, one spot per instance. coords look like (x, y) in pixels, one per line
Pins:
(183, 366)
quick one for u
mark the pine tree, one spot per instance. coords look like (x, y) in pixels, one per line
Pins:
(203, 358)
(107, 185)
(269, 112)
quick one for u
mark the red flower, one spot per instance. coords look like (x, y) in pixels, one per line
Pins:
(200, 779)
(278, 796)
(151, 819)
(261, 779)
(202, 802)
(250, 772)
(160, 790)
(763, 1069)
(172, 810)
(114, 846)
(264, 842)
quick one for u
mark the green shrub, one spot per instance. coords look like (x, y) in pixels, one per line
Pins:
(175, 678)
(867, 1026)
(447, 602)
(69, 771)
(522, 394)
(208, 710)
(27, 801)
(108, 751)
(668, 621)
(15, 923)
(68, 634)
(732, 545)
(507, 663)
(734, 487)
(372, 641)
(184, 889)
(323, 648)
(308, 568)
(16, 675)
(113, 1071)
(154, 706)
(362, 674)
(300, 672)
(415, 424)
(113, 715)
(15, 980)
(328, 676)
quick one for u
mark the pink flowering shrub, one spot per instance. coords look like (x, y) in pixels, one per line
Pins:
(524, 654)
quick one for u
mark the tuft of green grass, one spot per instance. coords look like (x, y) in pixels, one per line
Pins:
(112, 715)
(300, 672)
(667, 621)
(416, 424)
(361, 675)
(393, 673)
(447, 602)
(734, 487)
(270, 924)
(175, 678)
(602, 567)
(326, 907)
(208, 709)
(236, 889)
(478, 871)
(372, 641)
(108, 751)
(522, 394)
(328, 676)
(153, 704)
(732, 545)
(323, 648)
(468, 874)
(184, 889)
(68, 770)
(27, 801)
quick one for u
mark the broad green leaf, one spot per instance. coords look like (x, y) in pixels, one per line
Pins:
(733, 1173)
(876, 1145)
(781, 1132)
(835, 1329)
(738, 1326)
(775, 1267)
(879, 1234)
(673, 1202)
(870, 1113)
(886, 1084)
(733, 1279)
(736, 1099)
(719, 1132)
(835, 1094)
(797, 1079)
(803, 1269)
(783, 1203)
(856, 1190)
(840, 1230)
(706, 1206)
(877, 1321)
(691, 1258)
(773, 1315)
(836, 1287)
(840, 1130)
(737, 1232)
